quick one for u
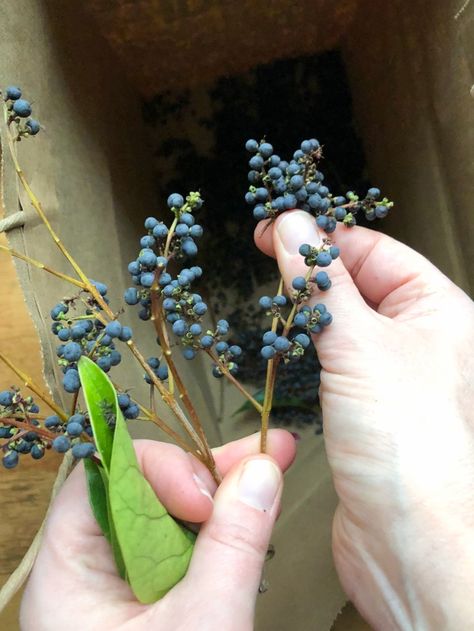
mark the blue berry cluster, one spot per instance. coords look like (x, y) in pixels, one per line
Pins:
(20, 110)
(157, 274)
(26, 432)
(85, 334)
(277, 185)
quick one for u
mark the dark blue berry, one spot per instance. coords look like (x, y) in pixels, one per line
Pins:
(33, 127)
(13, 92)
(207, 341)
(114, 328)
(323, 259)
(268, 352)
(251, 145)
(22, 108)
(61, 444)
(126, 334)
(83, 450)
(189, 353)
(71, 382)
(299, 283)
(10, 460)
(281, 344)
(175, 200)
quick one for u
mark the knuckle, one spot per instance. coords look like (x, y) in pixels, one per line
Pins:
(239, 538)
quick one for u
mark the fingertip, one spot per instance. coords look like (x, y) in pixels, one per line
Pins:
(263, 237)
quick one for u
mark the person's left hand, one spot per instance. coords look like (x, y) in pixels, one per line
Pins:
(74, 583)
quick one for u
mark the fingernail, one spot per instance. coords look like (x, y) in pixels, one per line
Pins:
(259, 483)
(296, 228)
(202, 487)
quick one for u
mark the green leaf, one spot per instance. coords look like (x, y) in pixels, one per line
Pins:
(97, 496)
(155, 548)
(152, 551)
(101, 401)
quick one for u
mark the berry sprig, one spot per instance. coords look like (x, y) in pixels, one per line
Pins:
(20, 111)
(276, 186)
(25, 431)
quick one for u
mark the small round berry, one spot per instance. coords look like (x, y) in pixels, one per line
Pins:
(114, 328)
(132, 411)
(189, 353)
(305, 249)
(126, 334)
(299, 283)
(339, 213)
(13, 92)
(334, 251)
(180, 328)
(71, 381)
(265, 302)
(162, 372)
(123, 400)
(381, 211)
(61, 444)
(10, 460)
(260, 212)
(52, 421)
(325, 319)
(374, 193)
(251, 145)
(72, 351)
(131, 296)
(302, 339)
(269, 337)
(33, 127)
(300, 319)
(256, 163)
(83, 450)
(22, 108)
(160, 231)
(235, 350)
(266, 149)
(74, 429)
(175, 200)
(221, 347)
(323, 259)
(150, 223)
(268, 352)
(200, 308)
(189, 247)
(281, 344)
(147, 279)
(207, 341)
(279, 300)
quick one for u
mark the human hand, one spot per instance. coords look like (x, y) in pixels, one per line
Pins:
(397, 396)
(75, 585)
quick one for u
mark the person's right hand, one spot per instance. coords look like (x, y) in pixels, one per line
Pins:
(397, 391)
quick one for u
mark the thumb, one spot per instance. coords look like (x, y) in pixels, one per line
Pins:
(226, 567)
(343, 300)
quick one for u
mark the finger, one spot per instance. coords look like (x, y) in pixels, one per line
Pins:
(167, 468)
(183, 484)
(230, 550)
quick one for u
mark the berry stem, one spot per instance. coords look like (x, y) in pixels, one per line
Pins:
(160, 328)
(40, 265)
(269, 385)
(234, 381)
